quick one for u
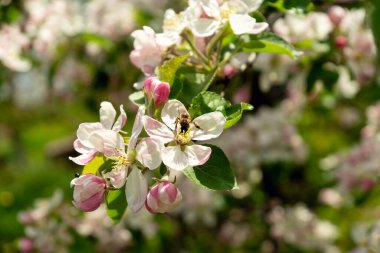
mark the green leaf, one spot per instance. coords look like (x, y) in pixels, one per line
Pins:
(137, 98)
(99, 163)
(167, 71)
(208, 101)
(235, 112)
(187, 84)
(269, 43)
(116, 204)
(93, 166)
(215, 174)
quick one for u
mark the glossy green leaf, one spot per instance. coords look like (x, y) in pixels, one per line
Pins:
(208, 101)
(269, 43)
(235, 112)
(215, 174)
(93, 166)
(116, 204)
(167, 71)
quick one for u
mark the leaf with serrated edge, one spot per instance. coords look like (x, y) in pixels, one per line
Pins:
(166, 72)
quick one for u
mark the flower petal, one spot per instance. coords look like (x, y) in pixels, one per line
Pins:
(198, 154)
(175, 158)
(81, 148)
(85, 130)
(107, 114)
(136, 129)
(109, 142)
(136, 189)
(149, 152)
(84, 158)
(204, 27)
(117, 176)
(121, 120)
(172, 109)
(243, 23)
(211, 125)
(157, 130)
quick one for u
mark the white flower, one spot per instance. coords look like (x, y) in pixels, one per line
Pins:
(147, 152)
(100, 136)
(181, 152)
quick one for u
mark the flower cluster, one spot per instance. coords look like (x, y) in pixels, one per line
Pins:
(199, 26)
(171, 143)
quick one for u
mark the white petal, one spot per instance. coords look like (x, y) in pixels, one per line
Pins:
(136, 129)
(175, 158)
(211, 125)
(259, 28)
(157, 130)
(109, 142)
(172, 109)
(149, 152)
(198, 154)
(204, 27)
(107, 114)
(84, 158)
(85, 130)
(81, 148)
(136, 190)
(121, 120)
(241, 24)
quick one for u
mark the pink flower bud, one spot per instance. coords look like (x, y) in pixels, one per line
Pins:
(336, 14)
(341, 42)
(163, 197)
(25, 245)
(88, 192)
(157, 90)
(229, 70)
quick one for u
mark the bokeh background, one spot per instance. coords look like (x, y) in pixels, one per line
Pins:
(307, 158)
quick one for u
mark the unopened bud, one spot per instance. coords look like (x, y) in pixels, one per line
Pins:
(25, 245)
(341, 42)
(163, 197)
(88, 192)
(336, 14)
(157, 90)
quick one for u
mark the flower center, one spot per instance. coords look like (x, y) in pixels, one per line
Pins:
(183, 138)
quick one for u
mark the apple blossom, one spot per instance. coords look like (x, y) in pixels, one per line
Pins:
(157, 90)
(336, 14)
(181, 152)
(163, 197)
(90, 135)
(149, 47)
(147, 152)
(88, 192)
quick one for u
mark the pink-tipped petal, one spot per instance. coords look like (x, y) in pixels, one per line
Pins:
(121, 120)
(157, 130)
(198, 154)
(84, 158)
(85, 130)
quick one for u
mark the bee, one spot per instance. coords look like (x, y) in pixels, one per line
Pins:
(184, 121)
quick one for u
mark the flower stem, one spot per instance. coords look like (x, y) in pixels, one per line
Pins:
(196, 50)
